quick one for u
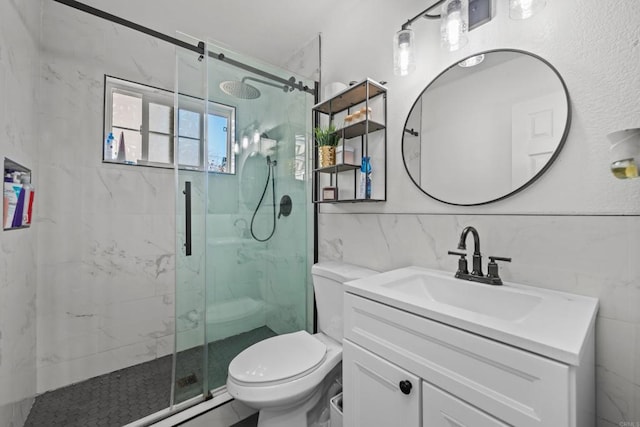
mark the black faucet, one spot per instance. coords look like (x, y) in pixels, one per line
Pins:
(476, 274)
(477, 258)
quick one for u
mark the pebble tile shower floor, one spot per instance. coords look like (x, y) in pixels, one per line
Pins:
(126, 395)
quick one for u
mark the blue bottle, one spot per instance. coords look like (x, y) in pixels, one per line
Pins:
(365, 178)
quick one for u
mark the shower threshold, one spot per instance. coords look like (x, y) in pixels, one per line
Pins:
(130, 394)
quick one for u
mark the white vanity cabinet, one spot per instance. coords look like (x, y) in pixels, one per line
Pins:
(374, 393)
(459, 378)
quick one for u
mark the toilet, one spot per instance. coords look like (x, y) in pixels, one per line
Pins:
(287, 377)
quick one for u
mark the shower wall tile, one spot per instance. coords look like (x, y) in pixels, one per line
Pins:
(19, 55)
(106, 244)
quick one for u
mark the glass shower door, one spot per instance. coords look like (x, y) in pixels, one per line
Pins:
(258, 221)
(243, 210)
(190, 375)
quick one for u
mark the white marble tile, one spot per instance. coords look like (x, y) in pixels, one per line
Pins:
(15, 414)
(19, 35)
(614, 397)
(616, 348)
(165, 345)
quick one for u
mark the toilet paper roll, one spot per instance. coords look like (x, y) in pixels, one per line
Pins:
(331, 89)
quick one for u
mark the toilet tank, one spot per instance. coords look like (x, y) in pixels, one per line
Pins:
(328, 279)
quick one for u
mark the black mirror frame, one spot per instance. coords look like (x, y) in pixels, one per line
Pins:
(532, 179)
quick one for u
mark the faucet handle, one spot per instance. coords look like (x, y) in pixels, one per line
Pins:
(462, 263)
(492, 268)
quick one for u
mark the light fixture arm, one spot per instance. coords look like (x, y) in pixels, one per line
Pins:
(423, 14)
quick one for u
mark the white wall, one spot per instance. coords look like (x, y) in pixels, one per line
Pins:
(576, 228)
(19, 39)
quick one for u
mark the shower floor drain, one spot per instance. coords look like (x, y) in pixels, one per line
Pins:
(188, 380)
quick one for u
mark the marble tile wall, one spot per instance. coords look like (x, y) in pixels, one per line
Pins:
(19, 71)
(106, 238)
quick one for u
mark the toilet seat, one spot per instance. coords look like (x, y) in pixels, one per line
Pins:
(278, 359)
(282, 393)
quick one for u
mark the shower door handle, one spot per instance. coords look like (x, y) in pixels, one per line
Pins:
(187, 218)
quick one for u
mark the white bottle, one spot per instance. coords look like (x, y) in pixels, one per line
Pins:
(28, 189)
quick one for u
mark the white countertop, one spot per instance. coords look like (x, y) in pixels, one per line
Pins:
(555, 324)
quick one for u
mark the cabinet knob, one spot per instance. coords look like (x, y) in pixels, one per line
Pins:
(405, 386)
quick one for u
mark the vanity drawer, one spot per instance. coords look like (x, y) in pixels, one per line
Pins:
(440, 409)
(515, 386)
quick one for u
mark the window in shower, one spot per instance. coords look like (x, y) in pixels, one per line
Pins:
(139, 123)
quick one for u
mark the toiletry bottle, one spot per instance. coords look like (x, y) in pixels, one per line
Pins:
(108, 147)
(122, 157)
(365, 169)
(6, 195)
(16, 203)
(27, 189)
(367, 191)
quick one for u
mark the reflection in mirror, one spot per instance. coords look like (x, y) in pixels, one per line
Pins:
(479, 134)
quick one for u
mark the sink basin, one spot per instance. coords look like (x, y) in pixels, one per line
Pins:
(550, 323)
(477, 298)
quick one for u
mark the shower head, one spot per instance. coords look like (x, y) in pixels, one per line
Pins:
(240, 90)
(243, 90)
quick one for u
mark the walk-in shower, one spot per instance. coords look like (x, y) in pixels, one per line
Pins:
(237, 198)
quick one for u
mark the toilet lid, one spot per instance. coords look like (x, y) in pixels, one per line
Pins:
(278, 358)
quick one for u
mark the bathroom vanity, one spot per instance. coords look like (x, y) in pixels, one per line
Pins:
(425, 349)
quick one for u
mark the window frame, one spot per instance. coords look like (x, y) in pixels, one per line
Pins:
(154, 95)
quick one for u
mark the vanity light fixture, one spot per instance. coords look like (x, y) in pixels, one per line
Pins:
(524, 9)
(625, 153)
(457, 18)
(404, 61)
(454, 24)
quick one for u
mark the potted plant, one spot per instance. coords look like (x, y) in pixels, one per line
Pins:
(327, 140)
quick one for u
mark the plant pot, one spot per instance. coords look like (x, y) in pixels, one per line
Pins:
(326, 156)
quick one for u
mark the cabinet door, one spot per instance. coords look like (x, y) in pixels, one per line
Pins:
(373, 395)
(440, 409)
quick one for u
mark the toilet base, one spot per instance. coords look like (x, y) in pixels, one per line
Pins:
(304, 413)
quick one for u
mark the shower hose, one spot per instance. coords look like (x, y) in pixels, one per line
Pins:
(270, 165)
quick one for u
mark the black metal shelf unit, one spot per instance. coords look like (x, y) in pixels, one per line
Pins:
(358, 95)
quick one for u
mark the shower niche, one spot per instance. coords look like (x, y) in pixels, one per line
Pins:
(18, 196)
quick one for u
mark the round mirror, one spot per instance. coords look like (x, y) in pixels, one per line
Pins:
(486, 127)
